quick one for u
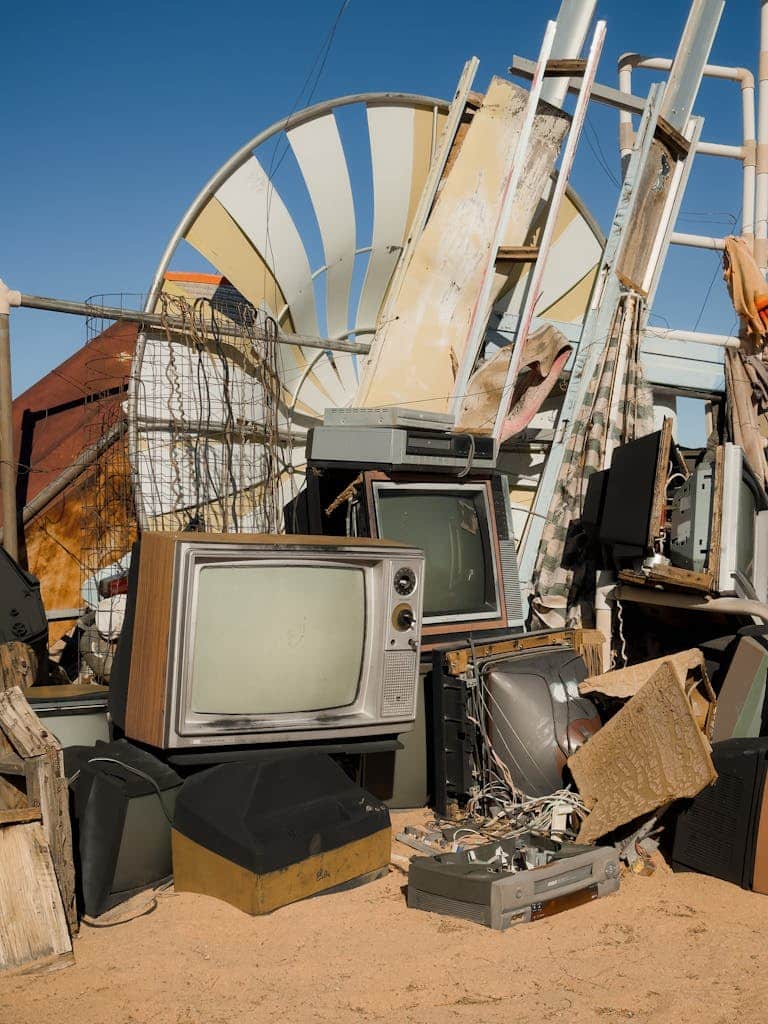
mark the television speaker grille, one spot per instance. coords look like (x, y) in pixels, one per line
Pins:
(511, 580)
(401, 671)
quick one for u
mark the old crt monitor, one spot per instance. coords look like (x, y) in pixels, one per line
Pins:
(235, 639)
(471, 582)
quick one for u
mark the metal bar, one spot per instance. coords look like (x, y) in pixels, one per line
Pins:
(64, 614)
(480, 310)
(696, 241)
(537, 273)
(86, 458)
(600, 93)
(698, 337)
(690, 60)
(7, 454)
(177, 324)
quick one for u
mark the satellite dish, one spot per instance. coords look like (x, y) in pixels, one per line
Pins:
(212, 440)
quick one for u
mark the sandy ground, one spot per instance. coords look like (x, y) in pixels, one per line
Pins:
(666, 948)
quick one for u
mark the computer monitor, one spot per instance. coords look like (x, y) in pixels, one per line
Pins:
(467, 582)
(235, 639)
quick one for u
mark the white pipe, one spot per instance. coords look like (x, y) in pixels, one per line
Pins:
(721, 149)
(626, 132)
(603, 622)
(692, 602)
(761, 181)
(745, 152)
(699, 338)
(573, 20)
(697, 241)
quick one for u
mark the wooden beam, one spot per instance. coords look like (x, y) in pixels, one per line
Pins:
(573, 67)
(18, 815)
(518, 253)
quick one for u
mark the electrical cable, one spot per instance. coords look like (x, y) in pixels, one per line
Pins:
(140, 773)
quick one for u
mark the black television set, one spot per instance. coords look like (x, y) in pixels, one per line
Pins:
(124, 801)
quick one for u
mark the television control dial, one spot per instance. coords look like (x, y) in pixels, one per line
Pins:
(405, 581)
(403, 618)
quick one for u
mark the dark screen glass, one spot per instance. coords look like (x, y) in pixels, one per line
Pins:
(452, 531)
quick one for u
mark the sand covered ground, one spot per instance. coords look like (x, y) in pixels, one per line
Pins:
(666, 948)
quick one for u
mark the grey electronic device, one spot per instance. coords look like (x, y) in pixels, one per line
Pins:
(743, 526)
(691, 519)
(437, 451)
(493, 885)
(388, 416)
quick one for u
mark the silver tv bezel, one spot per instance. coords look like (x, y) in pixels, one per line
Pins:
(362, 717)
(479, 488)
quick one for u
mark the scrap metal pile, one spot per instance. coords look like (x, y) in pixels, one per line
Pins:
(445, 550)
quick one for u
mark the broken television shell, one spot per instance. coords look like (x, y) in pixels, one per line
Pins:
(235, 639)
(742, 538)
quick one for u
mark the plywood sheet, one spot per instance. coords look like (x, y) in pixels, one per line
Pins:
(417, 351)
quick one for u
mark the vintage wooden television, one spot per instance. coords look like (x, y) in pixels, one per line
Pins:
(238, 640)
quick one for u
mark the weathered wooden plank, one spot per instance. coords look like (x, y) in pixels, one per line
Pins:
(18, 665)
(19, 815)
(524, 253)
(33, 927)
(46, 786)
(417, 350)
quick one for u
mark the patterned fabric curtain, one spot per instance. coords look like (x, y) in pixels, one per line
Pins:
(618, 407)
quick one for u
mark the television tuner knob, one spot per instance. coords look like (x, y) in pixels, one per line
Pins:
(405, 581)
(403, 618)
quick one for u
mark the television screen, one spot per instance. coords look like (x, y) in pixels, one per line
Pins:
(451, 527)
(272, 639)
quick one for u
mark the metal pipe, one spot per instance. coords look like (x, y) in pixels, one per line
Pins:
(761, 181)
(700, 338)
(745, 152)
(697, 241)
(692, 602)
(7, 454)
(177, 324)
(85, 459)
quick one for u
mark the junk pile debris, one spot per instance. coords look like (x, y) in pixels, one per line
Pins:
(314, 547)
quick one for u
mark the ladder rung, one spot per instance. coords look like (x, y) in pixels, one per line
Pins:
(558, 68)
(678, 143)
(518, 253)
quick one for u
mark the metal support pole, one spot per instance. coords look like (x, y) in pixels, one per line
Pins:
(7, 458)
(176, 323)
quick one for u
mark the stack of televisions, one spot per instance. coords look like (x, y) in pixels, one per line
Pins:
(260, 682)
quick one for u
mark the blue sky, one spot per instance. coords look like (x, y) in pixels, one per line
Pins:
(116, 116)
